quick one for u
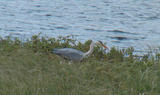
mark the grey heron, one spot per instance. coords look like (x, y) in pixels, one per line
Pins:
(77, 55)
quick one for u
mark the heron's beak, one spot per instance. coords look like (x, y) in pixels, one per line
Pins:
(105, 47)
(100, 43)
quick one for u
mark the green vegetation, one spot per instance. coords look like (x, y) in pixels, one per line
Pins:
(30, 68)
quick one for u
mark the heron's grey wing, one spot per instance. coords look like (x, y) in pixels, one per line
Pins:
(69, 53)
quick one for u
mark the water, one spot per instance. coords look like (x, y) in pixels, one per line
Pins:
(120, 23)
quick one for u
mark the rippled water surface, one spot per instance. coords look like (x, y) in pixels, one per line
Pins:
(120, 23)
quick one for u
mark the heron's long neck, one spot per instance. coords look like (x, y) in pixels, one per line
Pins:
(88, 53)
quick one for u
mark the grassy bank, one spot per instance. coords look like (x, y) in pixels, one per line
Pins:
(30, 68)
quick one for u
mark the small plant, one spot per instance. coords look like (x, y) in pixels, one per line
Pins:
(115, 55)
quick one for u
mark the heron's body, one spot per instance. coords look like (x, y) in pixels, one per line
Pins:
(69, 53)
(75, 55)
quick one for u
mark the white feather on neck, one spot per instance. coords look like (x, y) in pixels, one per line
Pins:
(88, 53)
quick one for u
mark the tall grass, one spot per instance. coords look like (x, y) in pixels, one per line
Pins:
(30, 68)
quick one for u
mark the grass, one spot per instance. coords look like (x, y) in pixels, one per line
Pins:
(30, 68)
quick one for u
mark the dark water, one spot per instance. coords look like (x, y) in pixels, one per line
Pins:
(120, 23)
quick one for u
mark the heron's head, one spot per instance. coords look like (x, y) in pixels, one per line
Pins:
(101, 44)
